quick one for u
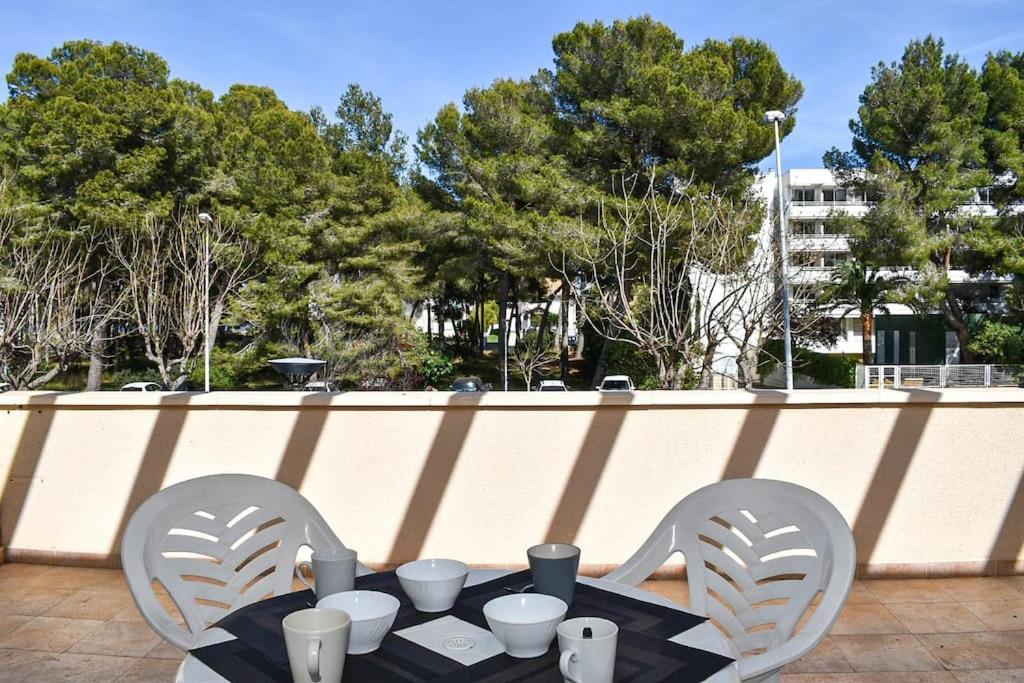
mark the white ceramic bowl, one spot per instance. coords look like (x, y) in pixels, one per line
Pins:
(372, 615)
(432, 585)
(525, 624)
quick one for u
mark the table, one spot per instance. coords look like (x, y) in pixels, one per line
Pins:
(703, 636)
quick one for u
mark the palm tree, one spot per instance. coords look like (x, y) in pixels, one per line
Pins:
(855, 286)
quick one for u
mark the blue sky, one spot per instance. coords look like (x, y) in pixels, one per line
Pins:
(419, 55)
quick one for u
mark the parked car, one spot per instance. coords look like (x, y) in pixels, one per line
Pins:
(142, 386)
(552, 385)
(469, 384)
(5, 386)
(615, 384)
(319, 385)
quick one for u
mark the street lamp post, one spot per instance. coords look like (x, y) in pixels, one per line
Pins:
(206, 220)
(774, 118)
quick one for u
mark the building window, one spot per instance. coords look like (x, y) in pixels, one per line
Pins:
(804, 228)
(806, 259)
(834, 194)
(912, 338)
(832, 259)
(803, 194)
(880, 351)
(984, 195)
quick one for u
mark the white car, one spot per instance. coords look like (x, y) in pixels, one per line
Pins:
(319, 385)
(613, 384)
(142, 386)
(552, 385)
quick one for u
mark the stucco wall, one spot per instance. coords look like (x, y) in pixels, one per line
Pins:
(930, 481)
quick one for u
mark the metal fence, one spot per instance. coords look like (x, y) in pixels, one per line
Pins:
(938, 376)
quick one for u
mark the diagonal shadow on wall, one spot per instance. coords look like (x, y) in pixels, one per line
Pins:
(892, 468)
(434, 477)
(171, 413)
(25, 460)
(591, 460)
(313, 412)
(752, 438)
(1010, 538)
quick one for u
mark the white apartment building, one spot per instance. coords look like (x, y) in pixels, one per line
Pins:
(901, 336)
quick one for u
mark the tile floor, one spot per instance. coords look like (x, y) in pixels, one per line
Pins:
(64, 623)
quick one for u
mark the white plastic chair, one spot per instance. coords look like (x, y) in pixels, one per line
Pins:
(757, 553)
(217, 543)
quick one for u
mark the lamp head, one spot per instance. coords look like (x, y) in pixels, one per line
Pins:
(205, 218)
(774, 116)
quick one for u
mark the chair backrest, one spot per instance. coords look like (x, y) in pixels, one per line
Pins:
(217, 543)
(757, 553)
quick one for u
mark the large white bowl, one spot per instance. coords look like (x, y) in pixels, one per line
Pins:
(432, 585)
(525, 624)
(372, 615)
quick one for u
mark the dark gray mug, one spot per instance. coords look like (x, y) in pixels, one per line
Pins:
(554, 567)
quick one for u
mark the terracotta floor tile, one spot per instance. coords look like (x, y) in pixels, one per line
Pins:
(935, 617)
(859, 595)
(44, 666)
(81, 578)
(887, 677)
(990, 676)
(886, 653)
(120, 638)
(149, 670)
(999, 615)
(908, 590)
(21, 572)
(52, 634)
(974, 589)
(826, 658)
(1003, 650)
(676, 591)
(91, 605)
(867, 619)
(17, 599)
(12, 622)
(166, 651)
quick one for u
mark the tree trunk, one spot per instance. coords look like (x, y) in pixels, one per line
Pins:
(867, 323)
(430, 332)
(707, 373)
(563, 321)
(442, 337)
(94, 382)
(602, 361)
(956, 319)
(544, 321)
(503, 331)
(479, 341)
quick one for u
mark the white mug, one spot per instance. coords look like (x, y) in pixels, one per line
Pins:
(587, 660)
(316, 640)
(333, 571)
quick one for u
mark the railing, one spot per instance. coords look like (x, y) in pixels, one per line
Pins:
(938, 376)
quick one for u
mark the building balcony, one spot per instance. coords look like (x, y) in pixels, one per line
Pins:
(924, 479)
(821, 210)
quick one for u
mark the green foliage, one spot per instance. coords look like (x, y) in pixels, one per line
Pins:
(436, 366)
(929, 131)
(827, 369)
(999, 342)
(626, 359)
(631, 98)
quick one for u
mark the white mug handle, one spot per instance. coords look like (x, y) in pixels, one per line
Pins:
(313, 658)
(563, 663)
(302, 578)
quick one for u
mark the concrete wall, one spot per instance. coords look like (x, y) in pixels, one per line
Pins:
(931, 482)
